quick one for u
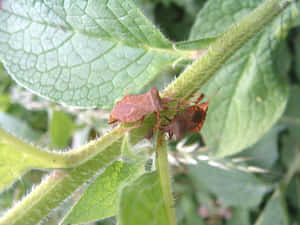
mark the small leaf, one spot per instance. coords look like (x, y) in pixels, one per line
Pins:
(142, 203)
(81, 53)
(99, 199)
(235, 188)
(251, 95)
(61, 129)
(275, 212)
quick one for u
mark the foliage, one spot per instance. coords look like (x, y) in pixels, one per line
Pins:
(60, 163)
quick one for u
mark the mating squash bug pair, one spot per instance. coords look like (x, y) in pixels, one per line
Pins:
(132, 108)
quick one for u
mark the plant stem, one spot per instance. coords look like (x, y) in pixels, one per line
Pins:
(220, 51)
(295, 166)
(165, 182)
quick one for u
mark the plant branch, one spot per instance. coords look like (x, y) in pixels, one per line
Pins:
(220, 51)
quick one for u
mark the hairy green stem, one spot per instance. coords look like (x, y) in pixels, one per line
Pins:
(165, 182)
(220, 51)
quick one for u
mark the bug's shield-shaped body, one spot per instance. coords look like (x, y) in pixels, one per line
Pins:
(132, 108)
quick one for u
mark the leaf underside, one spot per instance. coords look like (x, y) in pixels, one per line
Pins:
(80, 53)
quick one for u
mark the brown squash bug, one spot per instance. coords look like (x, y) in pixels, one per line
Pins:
(191, 120)
(132, 108)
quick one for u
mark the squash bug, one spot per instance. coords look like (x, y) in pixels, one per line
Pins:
(132, 108)
(191, 120)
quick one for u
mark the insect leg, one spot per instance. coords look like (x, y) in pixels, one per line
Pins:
(133, 127)
(112, 122)
(158, 121)
(199, 98)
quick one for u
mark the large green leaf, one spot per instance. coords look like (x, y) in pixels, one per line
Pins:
(81, 53)
(99, 199)
(218, 15)
(235, 188)
(264, 153)
(275, 212)
(240, 216)
(292, 113)
(142, 202)
(252, 95)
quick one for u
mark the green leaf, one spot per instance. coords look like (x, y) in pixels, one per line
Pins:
(81, 53)
(218, 15)
(61, 129)
(189, 209)
(240, 216)
(297, 55)
(147, 8)
(275, 212)
(251, 95)
(292, 113)
(282, 59)
(235, 188)
(192, 7)
(293, 195)
(264, 153)
(142, 203)
(4, 102)
(289, 150)
(99, 199)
